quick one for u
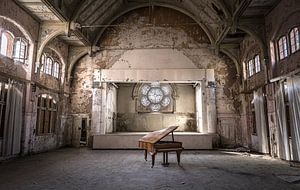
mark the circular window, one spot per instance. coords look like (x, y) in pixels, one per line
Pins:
(155, 96)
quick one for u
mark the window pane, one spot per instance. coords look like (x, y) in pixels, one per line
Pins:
(257, 64)
(48, 66)
(294, 38)
(251, 67)
(4, 44)
(283, 48)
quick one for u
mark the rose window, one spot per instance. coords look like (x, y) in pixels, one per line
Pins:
(155, 96)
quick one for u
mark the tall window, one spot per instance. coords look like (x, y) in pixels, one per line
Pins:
(282, 47)
(257, 63)
(7, 41)
(3, 96)
(251, 67)
(294, 40)
(245, 70)
(46, 114)
(48, 66)
(20, 50)
(56, 69)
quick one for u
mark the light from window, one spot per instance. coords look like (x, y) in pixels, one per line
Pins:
(6, 43)
(48, 66)
(43, 62)
(257, 63)
(244, 70)
(294, 38)
(55, 69)
(283, 47)
(46, 114)
(251, 67)
(20, 50)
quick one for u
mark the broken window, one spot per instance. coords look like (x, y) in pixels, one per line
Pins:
(282, 47)
(46, 114)
(294, 40)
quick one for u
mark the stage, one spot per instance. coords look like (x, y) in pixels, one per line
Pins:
(129, 140)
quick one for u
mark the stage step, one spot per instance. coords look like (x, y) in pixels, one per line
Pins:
(130, 140)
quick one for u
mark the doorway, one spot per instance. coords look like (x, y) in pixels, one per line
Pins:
(83, 134)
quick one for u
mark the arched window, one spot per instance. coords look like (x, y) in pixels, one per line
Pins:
(55, 69)
(20, 49)
(251, 67)
(282, 47)
(7, 40)
(43, 62)
(294, 40)
(48, 66)
(257, 63)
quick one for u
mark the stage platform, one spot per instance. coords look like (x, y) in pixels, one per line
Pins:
(129, 140)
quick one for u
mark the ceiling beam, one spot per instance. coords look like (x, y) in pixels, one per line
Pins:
(241, 8)
(55, 10)
(60, 15)
(232, 23)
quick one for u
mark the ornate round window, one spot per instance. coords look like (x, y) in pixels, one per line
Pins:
(155, 96)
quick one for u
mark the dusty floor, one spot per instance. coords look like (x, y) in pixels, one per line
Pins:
(125, 169)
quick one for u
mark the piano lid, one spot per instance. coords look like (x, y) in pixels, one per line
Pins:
(156, 136)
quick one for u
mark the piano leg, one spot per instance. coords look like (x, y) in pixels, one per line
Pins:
(145, 154)
(165, 159)
(153, 160)
(178, 152)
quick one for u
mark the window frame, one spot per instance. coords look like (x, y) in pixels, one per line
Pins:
(257, 63)
(9, 44)
(47, 108)
(251, 67)
(52, 69)
(284, 46)
(295, 40)
(22, 57)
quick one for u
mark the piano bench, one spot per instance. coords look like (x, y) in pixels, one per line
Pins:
(165, 155)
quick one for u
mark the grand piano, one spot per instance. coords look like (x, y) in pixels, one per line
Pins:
(152, 143)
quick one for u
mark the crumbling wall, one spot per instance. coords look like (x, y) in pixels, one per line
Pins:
(250, 47)
(168, 29)
(57, 88)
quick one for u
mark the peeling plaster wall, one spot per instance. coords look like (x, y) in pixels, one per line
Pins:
(250, 47)
(56, 88)
(189, 40)
(128, 120)
(11, 10)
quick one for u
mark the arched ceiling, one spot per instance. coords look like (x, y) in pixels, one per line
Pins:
(217, 17)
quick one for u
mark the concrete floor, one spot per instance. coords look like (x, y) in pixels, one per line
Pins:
(125, 169)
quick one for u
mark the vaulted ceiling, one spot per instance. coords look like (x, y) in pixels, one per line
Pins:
(218, 18)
